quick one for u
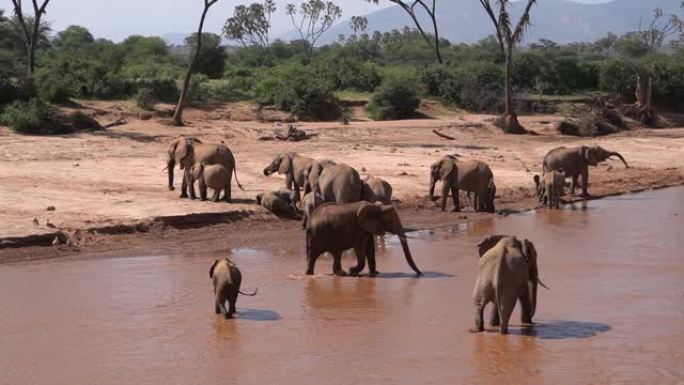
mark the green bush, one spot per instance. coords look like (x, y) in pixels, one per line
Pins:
(9, 92)
(53, 87)
(145, 99)
(34, 117)
(396, 98)
(221, 91)
(349, 74)
(476, 86)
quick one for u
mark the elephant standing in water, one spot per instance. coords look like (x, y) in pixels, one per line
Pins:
(468, 175)
(334, 228)
(293, 166)
(550, 188)
(507, 272)
(227, 280)
(187, 151)
(575, 162)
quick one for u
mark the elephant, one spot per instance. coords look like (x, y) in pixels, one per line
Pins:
(186, 151)
(227, 280)
(279, 202)
(507, 272)
(214, 176)
(340, 183)
(293, 166)
(308, 204)
(377, 190)
(468, 175)
(575, 162)
(334, 228)
(550, 189)
(313, 173)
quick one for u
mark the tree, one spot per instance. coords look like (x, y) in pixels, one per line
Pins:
(358, 24)
(212, 58)
(178, 114)
(430, 8)
(251, 25)
(508, 37)
(74, 39)
(316, 17)
(31, 29)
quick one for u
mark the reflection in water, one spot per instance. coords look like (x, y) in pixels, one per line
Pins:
(615, 269)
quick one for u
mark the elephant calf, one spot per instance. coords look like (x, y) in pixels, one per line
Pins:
(227, 280)
(550, 189)
(279, 202)
(309, 203)
(214, 176)
(507, 272)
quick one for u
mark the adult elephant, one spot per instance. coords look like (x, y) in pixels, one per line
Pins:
(340, 183)
(575, 162)
(334, 228)
(468, 175)
(186, 151)
(507, 273)
(377, 190)
(293, 166)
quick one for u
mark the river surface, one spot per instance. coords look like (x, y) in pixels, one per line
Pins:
(614, 312)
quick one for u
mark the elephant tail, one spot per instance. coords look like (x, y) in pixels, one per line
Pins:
(236, 178)
(252, 294)
(542, 284)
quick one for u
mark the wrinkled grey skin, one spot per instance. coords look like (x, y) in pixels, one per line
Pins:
(214, 176)
(186, 151)
(575, 162)
(468, 175)
(507, 273)
(377, 190)
(340, 184)
(227, 280)
(550, 188)
(293, 167)
(279, 202)
(309, 203)
(313, 173)
(334, 228)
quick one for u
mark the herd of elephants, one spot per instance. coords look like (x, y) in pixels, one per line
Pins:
(340, 211)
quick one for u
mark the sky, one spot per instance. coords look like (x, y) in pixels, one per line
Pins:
(117, 19)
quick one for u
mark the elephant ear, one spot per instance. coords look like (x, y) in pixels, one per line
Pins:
(211, 269)
(489, 242)
(368, 217)
(445, 168)
(182, 147)
(590, 155)
(285, 164)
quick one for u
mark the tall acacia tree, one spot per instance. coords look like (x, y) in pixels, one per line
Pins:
(315, 18)
(508, 37)
(430, 8)
(31, 29)
(178, 114)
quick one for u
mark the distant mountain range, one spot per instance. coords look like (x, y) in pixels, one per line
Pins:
(562, 21)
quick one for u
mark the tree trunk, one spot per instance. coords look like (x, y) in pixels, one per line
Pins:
(509, 120)
(178, 114)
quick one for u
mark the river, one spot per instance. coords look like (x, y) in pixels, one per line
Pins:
(614, 312)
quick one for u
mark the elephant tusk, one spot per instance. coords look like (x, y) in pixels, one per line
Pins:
(165, 168)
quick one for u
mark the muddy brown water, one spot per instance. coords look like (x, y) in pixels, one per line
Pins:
(614, 314)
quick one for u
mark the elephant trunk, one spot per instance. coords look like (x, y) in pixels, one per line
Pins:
(407, 253)
(170, 164)
(615, 153)
(433, 182)
(532, 293)
(267, 172)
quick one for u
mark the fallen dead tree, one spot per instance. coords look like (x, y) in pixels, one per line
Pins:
(292, 135)
(443, 136)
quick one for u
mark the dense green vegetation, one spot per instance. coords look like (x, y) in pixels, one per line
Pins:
(398, 66)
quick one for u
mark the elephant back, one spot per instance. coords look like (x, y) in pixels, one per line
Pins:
(568, 159)
(215, 154)
(341, 184)
(474, 175)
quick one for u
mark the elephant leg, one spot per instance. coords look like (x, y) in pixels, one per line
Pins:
(337, 264)
(360, 251)
(220, 306)
(506, 306)
(525, 308)
(480, 304)
(445, 194)
(227, 196)
(215, 197)
(184, 184)
(494, 319)
(573, 186)
(289, 181)
(585, 182)
(370, 254)
(231, 302)
(202, 190)
(456, 198)
(311, 255)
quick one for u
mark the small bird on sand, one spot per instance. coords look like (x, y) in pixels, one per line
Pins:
(35, 222)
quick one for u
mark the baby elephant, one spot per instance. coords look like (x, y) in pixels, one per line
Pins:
(279, 202)
(214, 176)
(550, 189)
(507, 273)
(227, 279)
(309, 203)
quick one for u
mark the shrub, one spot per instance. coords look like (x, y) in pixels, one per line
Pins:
(53, 87)
(34, 117)
(476, 86)
(9, 92)
(396, 98)
(145, 99)
(221, 91)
